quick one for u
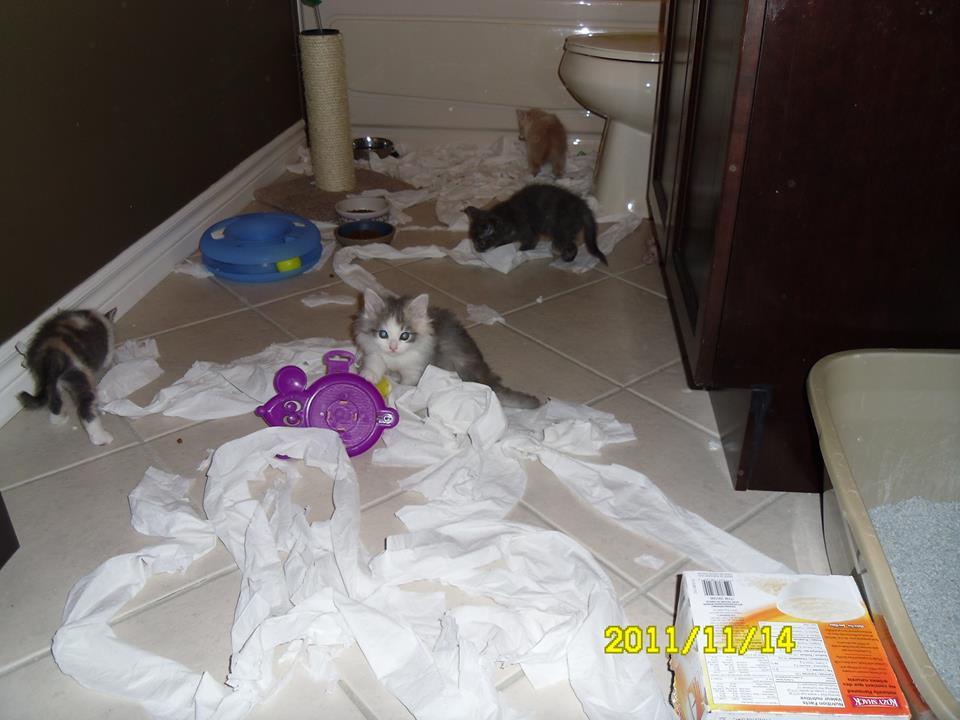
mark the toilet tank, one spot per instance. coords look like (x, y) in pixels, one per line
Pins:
(433, 71)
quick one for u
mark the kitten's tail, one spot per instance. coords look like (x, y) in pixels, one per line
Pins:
(51, 368)
(514, 398)
(590, 236)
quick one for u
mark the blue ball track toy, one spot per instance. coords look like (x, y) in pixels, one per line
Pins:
(261, 247)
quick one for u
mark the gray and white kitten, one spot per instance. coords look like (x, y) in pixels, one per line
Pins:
(401, 336)
(67, 353)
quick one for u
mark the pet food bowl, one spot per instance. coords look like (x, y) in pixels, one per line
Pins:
(363, 146)
(260, 247)
(365, 232)
(362, 208)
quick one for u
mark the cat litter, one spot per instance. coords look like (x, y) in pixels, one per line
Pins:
(920, 538)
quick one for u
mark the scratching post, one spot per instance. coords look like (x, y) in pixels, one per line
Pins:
(328, 114)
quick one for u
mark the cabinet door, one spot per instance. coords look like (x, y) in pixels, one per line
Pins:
(711, 103)
(670, 114)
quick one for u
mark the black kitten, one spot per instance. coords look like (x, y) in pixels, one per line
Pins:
(534, 211)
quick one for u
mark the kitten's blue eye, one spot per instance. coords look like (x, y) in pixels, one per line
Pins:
(383, 334)
(404, 336)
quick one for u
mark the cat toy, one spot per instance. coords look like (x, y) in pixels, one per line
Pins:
(341, 400)
(261, 247)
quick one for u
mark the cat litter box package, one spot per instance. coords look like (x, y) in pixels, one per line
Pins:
(762, 646)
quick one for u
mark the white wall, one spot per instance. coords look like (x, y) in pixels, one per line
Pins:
(429, 71)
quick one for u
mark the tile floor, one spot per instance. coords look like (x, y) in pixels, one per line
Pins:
(604, 338)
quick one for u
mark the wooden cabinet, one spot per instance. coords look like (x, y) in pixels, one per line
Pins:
(805, 194)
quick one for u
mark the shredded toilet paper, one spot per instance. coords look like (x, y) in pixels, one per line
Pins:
(135, 367)
(210, 390)
(310, 588)
(483, 314)
(323, 298)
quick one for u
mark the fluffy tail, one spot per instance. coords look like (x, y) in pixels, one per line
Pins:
(51, 368)
(590, 237)
(515, 399)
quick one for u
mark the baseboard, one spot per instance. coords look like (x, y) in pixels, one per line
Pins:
(139, 268)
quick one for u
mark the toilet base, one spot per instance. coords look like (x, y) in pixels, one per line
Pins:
(620, 180)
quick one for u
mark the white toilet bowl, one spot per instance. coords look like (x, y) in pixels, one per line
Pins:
(615, 75)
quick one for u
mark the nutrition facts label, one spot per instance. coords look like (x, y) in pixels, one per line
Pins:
(804, 677)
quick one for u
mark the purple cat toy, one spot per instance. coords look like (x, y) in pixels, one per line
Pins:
(340, 400)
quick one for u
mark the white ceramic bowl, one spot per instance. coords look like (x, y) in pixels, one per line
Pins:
(363, 208)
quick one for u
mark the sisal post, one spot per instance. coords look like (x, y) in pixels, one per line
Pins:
(328, 112)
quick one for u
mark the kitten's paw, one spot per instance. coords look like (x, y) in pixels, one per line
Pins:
(370, 376)
(97, 434)
(60, 419)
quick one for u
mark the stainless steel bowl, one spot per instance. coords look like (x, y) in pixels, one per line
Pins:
(363, 146)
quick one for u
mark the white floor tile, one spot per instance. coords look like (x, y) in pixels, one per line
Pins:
(68, 523)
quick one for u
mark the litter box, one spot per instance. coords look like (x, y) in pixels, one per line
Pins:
(261, 247)
(889, 427)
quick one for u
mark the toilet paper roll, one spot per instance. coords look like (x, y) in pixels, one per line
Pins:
(328, 111)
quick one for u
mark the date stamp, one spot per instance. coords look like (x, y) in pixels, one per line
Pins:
(736, 639)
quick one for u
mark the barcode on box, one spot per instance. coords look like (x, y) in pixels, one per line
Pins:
(717, 587)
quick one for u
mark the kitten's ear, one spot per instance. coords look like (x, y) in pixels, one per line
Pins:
(111, 314)
(373, 305)
(472, 212)
(418, 306)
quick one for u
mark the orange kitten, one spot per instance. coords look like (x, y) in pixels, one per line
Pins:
(546, 140)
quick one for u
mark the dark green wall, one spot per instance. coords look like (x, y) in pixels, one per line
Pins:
(115, 115)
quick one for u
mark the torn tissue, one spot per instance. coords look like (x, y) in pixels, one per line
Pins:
(313, 582)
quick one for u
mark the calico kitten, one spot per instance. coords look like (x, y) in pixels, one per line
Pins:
(534, 211)
(401, 336)
(67, 352)
(546, 140)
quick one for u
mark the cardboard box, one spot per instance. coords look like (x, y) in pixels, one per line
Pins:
(784, 647)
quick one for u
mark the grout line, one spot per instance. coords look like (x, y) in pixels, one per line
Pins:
(675, 413)
(264, 316)
(381, 500)
(355, 698)
(604, 395)
(190, 425)
(547, 298)
(190, 324)
(511, 679)
(761, 506)
(173, 594)
(40, 654)
(629, 596)
(668, 570)
(70, 466)
(643, 376)
(258, 303)
(563, 355)
(22, 662)
(655, 293)
(518, 308)
(399, 268)
(658, 602)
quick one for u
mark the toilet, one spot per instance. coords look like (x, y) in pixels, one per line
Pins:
(615, 75)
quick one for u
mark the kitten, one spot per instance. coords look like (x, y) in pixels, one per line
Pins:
(534, 211)
(401, 336)
(546, 140)
(67, 352)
